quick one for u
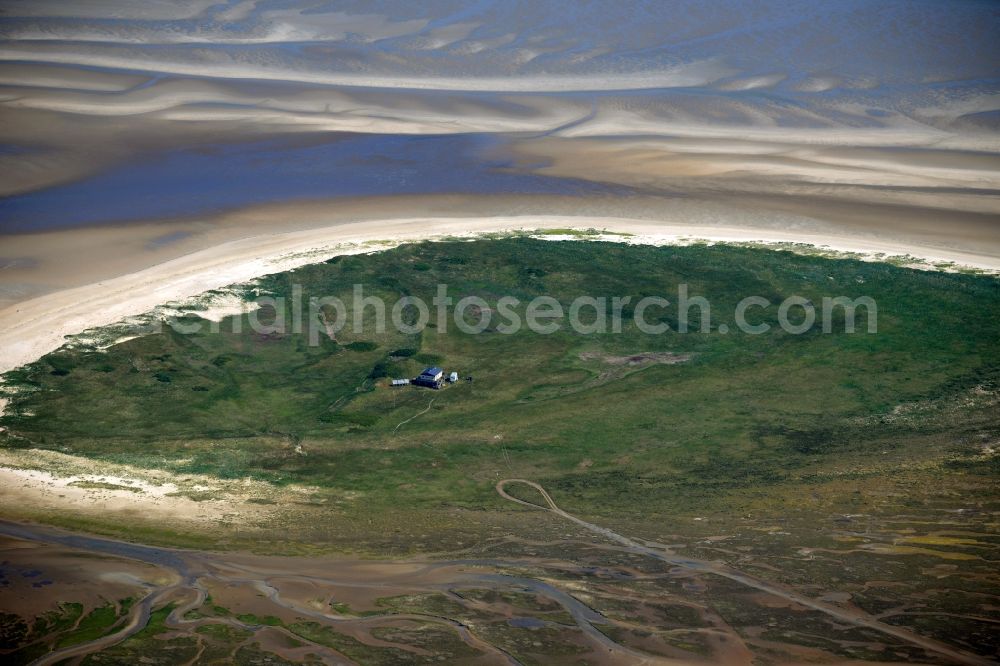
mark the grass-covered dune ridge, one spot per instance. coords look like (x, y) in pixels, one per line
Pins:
(623, 427)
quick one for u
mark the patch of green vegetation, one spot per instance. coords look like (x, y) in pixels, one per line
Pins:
(22, 643)
(354, 649)
(93, 625)
(13, 631)
(57, 621)
(567, 231)
(427, 604)
(743, 417)
(68, 625)
(341, 608)
(678, 615)
(157, 622)
(429, 359)
(26, 654)
(148, 646)
(254, 654)
(250, 618)
(443, 642)
(524, 600)
(379, 370)
(345, 418)
(103, 485)
(209, 609)
(527, 604)
(224, 632)
(537, 646)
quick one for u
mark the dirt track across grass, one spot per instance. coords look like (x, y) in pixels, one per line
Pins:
(855, 617)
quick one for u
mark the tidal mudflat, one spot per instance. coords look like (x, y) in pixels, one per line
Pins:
(181, 487)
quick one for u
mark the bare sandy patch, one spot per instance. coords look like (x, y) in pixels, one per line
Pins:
(48, 76)
(911, 173)
(38, 482)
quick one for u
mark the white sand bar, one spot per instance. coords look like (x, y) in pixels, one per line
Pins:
(30, 329)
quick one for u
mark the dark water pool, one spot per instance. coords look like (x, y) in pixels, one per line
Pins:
(203, 180)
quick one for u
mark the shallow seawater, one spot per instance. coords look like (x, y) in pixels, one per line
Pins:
(208, 179)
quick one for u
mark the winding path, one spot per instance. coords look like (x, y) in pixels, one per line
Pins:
(857, 618)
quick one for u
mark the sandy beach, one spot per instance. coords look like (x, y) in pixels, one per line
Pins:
(34, 327)
(760, 494)
(37, 483)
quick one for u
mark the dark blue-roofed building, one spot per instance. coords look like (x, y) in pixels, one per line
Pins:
(431, 378)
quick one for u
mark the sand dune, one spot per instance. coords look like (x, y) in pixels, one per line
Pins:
(83, 88)
(686, 75)
(862, 44)
(951, 180)
(68, 78)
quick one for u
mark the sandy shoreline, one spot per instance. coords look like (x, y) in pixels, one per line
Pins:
(30, 329)
(36, 483)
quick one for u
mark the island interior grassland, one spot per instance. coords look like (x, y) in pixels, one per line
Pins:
(704, 424)
(858, 463)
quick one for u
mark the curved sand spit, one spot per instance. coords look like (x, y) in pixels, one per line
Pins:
(32, 328)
